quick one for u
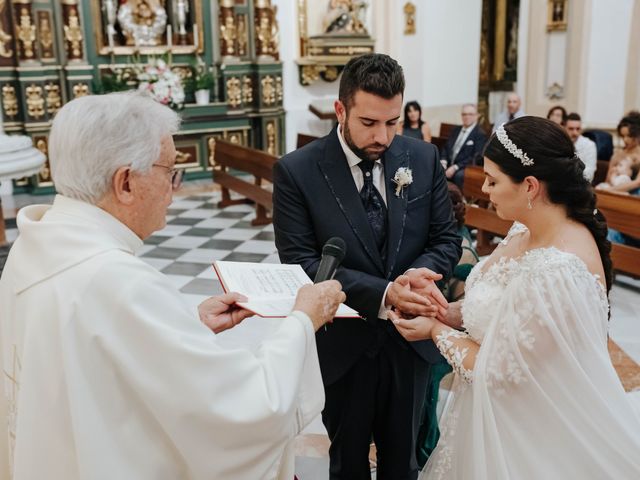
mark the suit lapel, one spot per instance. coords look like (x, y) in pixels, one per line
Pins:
(337, 174)
(395, 158)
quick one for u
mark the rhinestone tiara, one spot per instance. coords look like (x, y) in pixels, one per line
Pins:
(511, 147)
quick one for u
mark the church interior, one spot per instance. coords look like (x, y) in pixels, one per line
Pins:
(256, 79)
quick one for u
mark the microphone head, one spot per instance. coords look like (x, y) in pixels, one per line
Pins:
(335, 247)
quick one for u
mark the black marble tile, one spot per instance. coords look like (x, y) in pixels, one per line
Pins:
(202, 232)
(184, 221)
(221, 244)
(224, 214)
(165, 252)
(176, 211)
(155, 240)
(184, 268)
(203, 286)
(246, 224)
(265, 236)
(245, 257)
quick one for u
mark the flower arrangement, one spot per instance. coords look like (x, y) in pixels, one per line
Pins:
(164, 85)
(402, 178)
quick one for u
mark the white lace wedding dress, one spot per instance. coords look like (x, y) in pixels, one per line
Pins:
(543, 400)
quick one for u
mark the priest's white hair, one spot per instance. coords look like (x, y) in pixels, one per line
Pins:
(92, 136)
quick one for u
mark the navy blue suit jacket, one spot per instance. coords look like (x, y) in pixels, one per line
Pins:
(470, 152)
(315, 198)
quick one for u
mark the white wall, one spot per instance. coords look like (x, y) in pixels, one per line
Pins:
(609, 42)
(440, 61)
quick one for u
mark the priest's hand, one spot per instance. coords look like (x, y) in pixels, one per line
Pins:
(221, 313)
(320, 301)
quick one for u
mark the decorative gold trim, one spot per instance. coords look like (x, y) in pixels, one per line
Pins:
(26, 32)
(234, 92)
(34, 100)
(9, 100)
(5, 38)
(73, 33)
(268, 90)
(53, 98)
(272, 144)
(557, 14)
(409, 18)
(80, 90)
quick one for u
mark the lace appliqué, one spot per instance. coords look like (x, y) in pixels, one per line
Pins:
(454, 355)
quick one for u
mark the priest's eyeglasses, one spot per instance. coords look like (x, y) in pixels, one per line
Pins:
(176, 174)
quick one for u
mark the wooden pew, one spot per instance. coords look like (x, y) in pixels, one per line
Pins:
(623, 214)
(479, 214)
(255, 162)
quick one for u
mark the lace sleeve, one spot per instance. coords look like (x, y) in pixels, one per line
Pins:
(453, 353)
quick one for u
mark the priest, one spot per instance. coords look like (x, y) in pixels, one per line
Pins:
(106, 370)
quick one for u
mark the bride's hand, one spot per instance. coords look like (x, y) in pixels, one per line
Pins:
(412, 329)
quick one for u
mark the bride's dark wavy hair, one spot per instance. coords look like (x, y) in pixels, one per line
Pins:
(559, 167)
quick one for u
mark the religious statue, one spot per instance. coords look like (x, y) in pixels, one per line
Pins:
(143, 22)
(267, 32)
(181, 8)
(345, 17)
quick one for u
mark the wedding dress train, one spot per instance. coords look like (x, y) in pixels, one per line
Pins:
(543, 399)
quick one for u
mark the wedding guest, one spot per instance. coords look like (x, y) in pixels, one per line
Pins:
(585, 147)
(629, 131)
(412, 124)
(557, 115)
(514, 110)
(464, 146)
(535, 394)
(108, 371)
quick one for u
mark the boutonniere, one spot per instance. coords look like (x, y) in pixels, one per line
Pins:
(402, 178)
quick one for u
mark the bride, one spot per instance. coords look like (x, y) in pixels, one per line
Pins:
(535, 394)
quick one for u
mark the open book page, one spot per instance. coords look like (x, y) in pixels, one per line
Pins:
(270, 288)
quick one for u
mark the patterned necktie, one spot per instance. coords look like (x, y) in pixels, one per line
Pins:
(375, 207)
(458, 145)
(511, 116)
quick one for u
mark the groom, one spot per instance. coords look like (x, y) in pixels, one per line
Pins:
(387, 198)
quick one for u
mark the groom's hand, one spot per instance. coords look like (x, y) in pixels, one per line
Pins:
(423, 282)
(401, 296)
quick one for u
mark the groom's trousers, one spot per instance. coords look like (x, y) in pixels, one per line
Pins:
(380, 398)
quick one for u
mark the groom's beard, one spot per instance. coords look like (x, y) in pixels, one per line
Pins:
(371, 152)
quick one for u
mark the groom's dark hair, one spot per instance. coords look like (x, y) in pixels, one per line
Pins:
(374, 73)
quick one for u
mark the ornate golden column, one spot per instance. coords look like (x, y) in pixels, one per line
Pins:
(228, 29)
(500, 39)
(25, 30)
(73, 38)
(267, 31)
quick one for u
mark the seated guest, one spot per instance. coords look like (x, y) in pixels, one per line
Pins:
(629, 131)
(585, 148)
(623, 173)
(118, 376)
(464, 146)
(557, 115)
(454, 288)
(412, 125)
(514, 110)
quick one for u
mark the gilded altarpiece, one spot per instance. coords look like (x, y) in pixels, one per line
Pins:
(52, 51)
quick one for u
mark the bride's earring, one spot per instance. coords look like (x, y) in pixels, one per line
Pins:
(529, 206)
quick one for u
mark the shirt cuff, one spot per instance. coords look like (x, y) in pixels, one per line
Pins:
(382, 312)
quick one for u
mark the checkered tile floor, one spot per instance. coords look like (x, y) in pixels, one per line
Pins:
(197, 233)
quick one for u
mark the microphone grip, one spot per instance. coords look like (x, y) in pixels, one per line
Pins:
(327, 269)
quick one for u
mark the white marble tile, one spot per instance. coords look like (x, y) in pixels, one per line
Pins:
(240, 208)
(256, 246)
(179, 281)
(144, 249)
(236, 234)
(184, 241)
(209, 273)
(203, 255)
(186, 204)
(216, 222)
(157, 263)
(268, 228)
(172, 230)
(197, 213)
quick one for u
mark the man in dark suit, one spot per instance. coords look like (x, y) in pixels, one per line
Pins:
(387, 198)
(464, 146)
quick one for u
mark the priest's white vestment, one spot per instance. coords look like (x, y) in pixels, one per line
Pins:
(109, 374)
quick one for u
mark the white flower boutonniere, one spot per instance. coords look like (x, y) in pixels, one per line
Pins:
(402, 178)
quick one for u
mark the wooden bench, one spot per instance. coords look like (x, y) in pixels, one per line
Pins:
(255, 162)
(623, 214)
(478, 212)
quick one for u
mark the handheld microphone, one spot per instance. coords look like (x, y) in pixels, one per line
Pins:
(333, 253)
